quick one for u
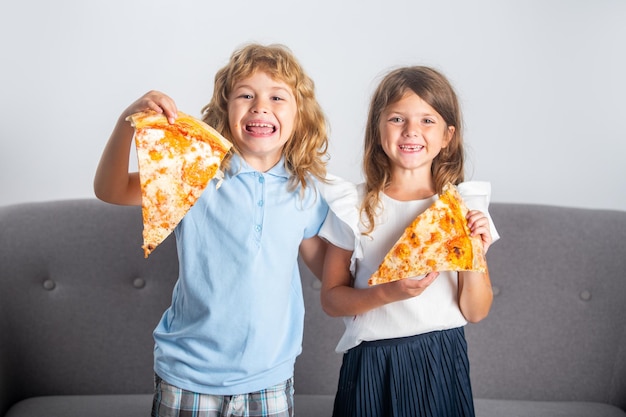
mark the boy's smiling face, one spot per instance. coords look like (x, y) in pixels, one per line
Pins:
(261, 114)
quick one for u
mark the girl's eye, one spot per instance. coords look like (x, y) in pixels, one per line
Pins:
(396, 119)
(276, 98)
(248, 96)
(429, 121)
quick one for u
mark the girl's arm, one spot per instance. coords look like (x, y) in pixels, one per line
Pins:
(340, 298)
(112, 182)
(475, 293)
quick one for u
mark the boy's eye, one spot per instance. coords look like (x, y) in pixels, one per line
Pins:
(246, 96)
(276, 98)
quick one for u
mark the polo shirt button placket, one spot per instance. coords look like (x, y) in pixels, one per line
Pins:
(260, 204)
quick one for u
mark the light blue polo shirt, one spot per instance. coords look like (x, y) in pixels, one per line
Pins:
(236, 320)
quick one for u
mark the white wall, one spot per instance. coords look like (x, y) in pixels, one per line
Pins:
(541, 81)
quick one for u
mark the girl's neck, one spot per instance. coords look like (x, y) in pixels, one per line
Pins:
(409, 187)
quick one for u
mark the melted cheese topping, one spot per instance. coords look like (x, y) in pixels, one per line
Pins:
(175, 166)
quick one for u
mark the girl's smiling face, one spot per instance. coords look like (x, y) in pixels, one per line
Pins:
(412, 133)
(261, 114)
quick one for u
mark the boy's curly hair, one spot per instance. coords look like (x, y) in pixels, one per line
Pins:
(305, 152)
(435, 89)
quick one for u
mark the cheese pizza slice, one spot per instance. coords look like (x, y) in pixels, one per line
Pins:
(176, 162)
(437, 240)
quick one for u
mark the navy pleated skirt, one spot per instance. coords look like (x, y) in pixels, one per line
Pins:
(425, 375)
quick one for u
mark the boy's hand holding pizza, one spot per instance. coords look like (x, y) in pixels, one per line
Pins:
(155, 101)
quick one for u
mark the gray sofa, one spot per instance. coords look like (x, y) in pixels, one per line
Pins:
(78, 303)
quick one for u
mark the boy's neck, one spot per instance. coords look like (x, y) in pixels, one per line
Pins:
(262, 164)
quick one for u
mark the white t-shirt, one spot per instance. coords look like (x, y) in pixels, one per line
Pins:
(437, 307)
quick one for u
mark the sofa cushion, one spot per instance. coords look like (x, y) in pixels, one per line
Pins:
(134, 406)
(518, 408)
(305, 406)
(84, 405)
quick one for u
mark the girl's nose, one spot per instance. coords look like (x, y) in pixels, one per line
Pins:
(412, 129)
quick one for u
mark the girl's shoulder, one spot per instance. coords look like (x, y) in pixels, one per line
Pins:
(337, 190)
(476, 194)
(474, 188)
(342, 197)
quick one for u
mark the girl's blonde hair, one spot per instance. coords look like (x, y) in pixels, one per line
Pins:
(305, 151)
(435, 89)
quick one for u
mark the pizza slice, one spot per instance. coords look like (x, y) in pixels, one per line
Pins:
(437, 240)
(176, 162)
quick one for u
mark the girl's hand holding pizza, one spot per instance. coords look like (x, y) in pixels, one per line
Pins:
(407, 288)
(479, 226)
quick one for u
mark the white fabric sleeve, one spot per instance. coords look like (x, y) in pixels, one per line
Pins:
(341, 225)
(337, 232)
(477, 195)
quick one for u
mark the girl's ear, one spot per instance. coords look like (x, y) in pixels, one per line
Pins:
(449, 134)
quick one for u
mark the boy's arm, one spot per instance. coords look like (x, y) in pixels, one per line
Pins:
(312, 252)
(112, 182)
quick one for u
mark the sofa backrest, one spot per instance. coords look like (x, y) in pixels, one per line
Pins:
(78, 303)
(557, 327)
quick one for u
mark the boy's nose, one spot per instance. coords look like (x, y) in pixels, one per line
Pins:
(259, 106)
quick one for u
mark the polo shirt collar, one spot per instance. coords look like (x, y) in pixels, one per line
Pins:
(239, 166)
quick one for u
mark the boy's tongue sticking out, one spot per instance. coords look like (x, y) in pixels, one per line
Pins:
(260, 128)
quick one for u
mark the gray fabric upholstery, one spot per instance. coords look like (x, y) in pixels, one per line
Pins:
(78, 303)
(557, 328)
(84, 405)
